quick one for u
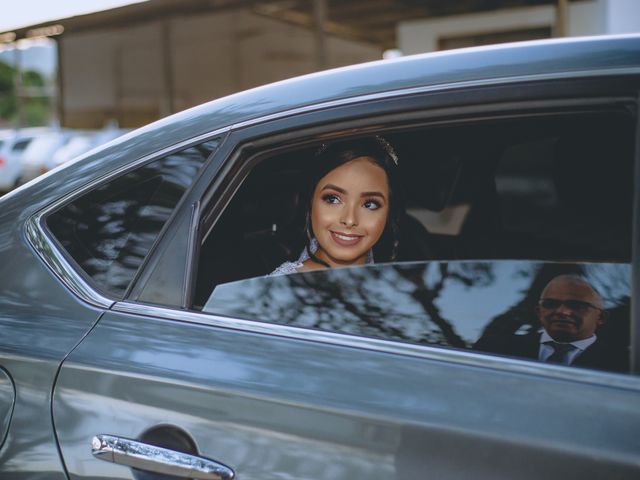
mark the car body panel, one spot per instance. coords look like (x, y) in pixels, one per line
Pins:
(273, 407)
(39, 325)
(7, 401)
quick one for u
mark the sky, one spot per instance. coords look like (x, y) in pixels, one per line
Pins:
(22, 13)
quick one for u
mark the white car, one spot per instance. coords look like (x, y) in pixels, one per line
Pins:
(13, 144)
(38, 153)
(81, 141)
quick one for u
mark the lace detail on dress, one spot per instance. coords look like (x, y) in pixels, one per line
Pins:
(292, 267)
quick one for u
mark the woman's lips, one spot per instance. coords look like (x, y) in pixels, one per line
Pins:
(346, 240)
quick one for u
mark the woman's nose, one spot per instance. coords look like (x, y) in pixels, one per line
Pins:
(349, 216)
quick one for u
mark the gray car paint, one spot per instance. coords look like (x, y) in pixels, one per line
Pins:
(275, 408)
(39, 324)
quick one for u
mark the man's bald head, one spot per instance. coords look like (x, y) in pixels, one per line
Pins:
(570, 308)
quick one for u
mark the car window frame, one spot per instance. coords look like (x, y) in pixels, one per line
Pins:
(60, 261)
(251, 141)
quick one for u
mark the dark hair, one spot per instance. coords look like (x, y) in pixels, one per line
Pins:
(331, 156)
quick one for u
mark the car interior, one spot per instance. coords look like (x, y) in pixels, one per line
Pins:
(505, 188)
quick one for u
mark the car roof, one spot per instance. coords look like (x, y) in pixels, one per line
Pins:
(559, 58)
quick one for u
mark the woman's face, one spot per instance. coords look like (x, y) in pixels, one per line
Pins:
(349, 211)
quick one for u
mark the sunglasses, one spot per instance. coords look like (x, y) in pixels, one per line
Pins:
(575, 305)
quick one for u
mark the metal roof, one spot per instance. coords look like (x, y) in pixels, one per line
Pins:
(372, 21)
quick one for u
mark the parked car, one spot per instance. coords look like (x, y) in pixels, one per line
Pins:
(12, 146)
(37, 154)
(142, 335)
(81, 141)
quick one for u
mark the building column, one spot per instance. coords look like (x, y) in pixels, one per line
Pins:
(320, 16)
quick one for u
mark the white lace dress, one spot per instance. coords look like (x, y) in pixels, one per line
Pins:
(292, 267)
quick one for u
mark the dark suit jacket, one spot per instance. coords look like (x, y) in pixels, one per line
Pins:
(599, 355)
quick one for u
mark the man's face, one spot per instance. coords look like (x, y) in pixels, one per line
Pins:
(570, 310)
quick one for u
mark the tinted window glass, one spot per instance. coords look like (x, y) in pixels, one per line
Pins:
(554, 188)
(488, 306)
(110, 230)
(20, 145)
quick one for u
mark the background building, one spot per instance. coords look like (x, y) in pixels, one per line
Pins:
(133, 64)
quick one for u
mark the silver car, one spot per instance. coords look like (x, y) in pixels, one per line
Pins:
(141, 334)
(13, 144)
(38, 153)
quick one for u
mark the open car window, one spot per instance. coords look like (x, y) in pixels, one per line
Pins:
(555, 187)
(493, 211)
(490, 306)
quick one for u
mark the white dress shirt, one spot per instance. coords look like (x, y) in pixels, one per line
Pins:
(546, 351)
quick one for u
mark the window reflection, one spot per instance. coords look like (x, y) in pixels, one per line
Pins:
(110, 230)
(449, 304)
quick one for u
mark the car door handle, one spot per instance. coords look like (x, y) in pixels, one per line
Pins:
(143, 456)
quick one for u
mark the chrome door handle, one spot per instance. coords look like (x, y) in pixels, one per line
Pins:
(157, 459)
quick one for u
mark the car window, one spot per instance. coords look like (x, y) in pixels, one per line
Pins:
(489, 306)
(109, 230)
(549, 188)
(21, 145)
(548, 195)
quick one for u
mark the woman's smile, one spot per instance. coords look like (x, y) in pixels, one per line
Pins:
(346, 239)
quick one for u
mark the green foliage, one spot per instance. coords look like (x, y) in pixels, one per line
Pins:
(31, 78)
(7, 96)
(36, 110)
(7, 73)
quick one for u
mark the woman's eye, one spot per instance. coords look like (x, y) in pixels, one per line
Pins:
(331, 198)
(372, 205)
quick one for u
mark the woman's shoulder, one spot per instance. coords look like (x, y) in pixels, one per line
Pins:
(286, 268)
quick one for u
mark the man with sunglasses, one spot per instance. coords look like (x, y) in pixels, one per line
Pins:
(570, 311)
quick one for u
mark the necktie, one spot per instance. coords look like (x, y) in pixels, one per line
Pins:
(560, 352)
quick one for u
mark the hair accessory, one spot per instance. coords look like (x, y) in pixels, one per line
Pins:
(388, 148)
(382, 142)
(321, 149)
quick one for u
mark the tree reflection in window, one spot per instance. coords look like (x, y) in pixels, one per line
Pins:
(449, 304)
(110, 230)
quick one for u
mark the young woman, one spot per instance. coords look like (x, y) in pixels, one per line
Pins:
(353, 206)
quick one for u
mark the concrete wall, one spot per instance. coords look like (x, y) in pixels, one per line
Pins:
(139, 73)
(589, 17)
(622, 16)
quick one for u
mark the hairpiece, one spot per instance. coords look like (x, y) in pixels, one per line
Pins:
(388, 148)
(382, 142)
(321, 149)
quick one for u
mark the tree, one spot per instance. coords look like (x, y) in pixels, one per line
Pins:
(36, 106)
(7, 91)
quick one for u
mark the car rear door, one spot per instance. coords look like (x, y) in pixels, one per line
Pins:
(277, 402)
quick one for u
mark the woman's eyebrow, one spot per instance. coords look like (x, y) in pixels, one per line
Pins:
(372, 194)
(330, 186)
